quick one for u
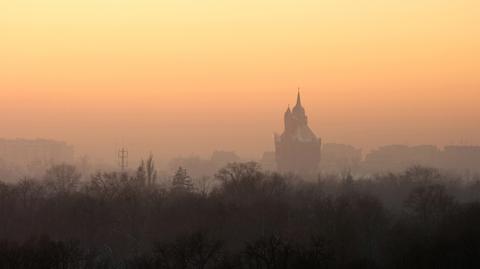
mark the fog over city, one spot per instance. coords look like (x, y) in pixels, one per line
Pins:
(172, 123)
(33, 155)
(179, 134)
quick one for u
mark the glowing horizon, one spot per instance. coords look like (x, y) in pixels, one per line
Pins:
(154, 74)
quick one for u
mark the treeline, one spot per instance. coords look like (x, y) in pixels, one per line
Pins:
(248, 218)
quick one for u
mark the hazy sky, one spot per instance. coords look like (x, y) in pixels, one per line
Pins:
(182, 77)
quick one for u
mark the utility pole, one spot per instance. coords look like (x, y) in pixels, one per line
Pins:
(123, 159)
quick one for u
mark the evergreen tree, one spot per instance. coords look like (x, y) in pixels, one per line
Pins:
(181, 181)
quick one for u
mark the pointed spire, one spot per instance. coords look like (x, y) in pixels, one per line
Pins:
(288, 109)
(299, 101)
(298, 109)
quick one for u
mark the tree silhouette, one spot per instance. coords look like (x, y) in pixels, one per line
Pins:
(429, 203)
(181, 182)
(62, 178)
(151, 172)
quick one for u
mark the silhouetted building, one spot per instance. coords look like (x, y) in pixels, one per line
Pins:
(396, 158)
(221, 158)
(461, 158)
(340, 158)
(268, 161)
(297, 149)
(41, 151)
(200, 167)
(22, 157)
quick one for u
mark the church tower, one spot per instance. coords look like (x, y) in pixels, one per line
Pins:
(297, 149)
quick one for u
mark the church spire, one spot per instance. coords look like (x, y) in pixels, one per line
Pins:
(298, 110)
(299, 101)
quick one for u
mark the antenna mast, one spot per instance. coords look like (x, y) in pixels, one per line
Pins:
(123, 159)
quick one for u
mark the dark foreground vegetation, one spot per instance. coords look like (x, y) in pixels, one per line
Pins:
(249, 219)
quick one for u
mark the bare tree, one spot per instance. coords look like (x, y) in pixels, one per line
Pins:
(195, 251)
(62, 178)
(429, 203)
(151, 171)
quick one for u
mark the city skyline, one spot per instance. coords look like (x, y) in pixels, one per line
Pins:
(239, 134)
(152, 75)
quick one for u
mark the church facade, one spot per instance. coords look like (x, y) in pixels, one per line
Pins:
(297, 149)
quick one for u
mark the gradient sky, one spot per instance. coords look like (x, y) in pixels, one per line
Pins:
(188, 77)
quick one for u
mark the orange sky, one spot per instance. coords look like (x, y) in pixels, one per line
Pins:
(188, 77)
